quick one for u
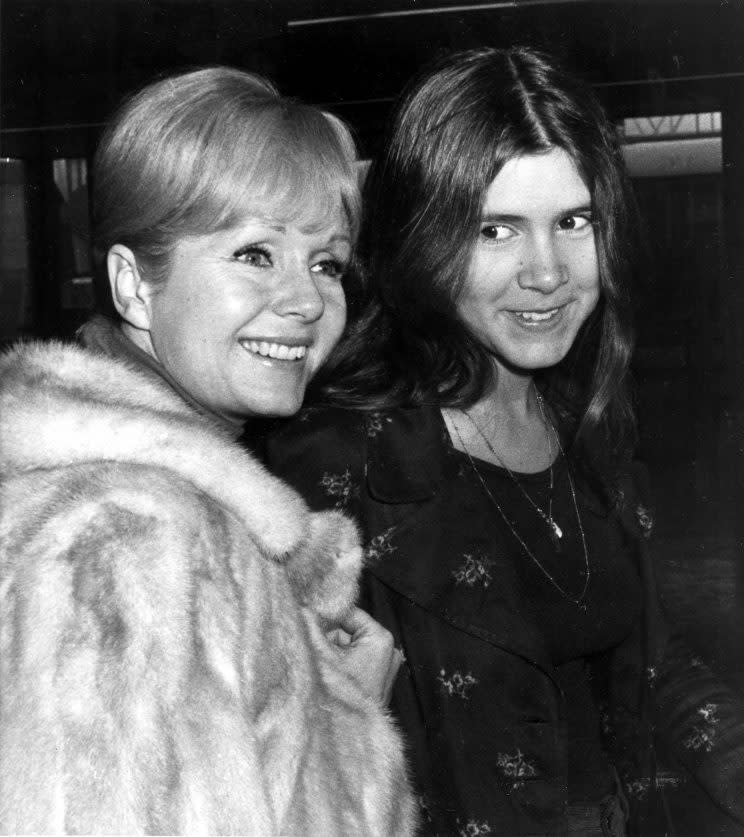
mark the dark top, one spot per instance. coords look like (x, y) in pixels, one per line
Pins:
(507, 686)
(572, 632)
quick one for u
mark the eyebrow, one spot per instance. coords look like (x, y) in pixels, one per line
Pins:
(307, 229)
(340, 239)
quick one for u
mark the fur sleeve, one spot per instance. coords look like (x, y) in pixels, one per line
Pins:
(122, 631)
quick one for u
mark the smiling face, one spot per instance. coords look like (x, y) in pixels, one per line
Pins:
(534, 275)
(247, 315)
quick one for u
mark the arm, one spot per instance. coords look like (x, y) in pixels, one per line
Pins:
(697, 717)
(110, 705)
(703, 722)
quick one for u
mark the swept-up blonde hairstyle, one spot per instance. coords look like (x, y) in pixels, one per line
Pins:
(193, 153)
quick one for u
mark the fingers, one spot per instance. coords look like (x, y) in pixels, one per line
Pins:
(397, 661)
(367, 652)
(339, 637)
(363, 628)
(358, 621)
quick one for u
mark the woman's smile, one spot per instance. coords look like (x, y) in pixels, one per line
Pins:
(533, 278)
(275, 350)
(539, 318)
(258, 308)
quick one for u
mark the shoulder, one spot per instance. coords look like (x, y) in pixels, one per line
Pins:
(317, 432)
(399, 455)
(321, 452)
(102, 503)
(335, 435)
(63, 372)
(145, 522)
(65, 406)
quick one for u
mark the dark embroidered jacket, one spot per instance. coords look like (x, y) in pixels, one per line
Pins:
(478, 698)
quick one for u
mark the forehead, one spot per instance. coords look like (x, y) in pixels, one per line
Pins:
(252, 227)
(537, 183)
(314, 213)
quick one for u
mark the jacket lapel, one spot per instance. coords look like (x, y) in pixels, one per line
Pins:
(418, 544)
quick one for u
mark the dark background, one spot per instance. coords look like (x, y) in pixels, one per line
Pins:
(64, 65)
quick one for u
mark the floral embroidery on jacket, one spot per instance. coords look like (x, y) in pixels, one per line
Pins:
(645, 520)
(605, 718)
(638, 788)
(380, 545)
(375, 423)
(474, 568)
(473, 828)
(703, 735)
(457, 684)
(515, 767)
(339, 486)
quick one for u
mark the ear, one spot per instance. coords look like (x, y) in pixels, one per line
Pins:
(129, 291)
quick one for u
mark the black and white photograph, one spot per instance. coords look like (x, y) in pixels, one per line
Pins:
(372, 418)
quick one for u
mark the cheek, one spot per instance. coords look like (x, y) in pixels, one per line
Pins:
(585, 273)
(491, 275)
(334, 317)
(590, 301)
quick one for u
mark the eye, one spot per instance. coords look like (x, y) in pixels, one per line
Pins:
(253, 256)
(497, 232)
(575, 223)
(332, 268)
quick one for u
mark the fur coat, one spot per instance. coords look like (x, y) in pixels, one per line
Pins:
(163, 667)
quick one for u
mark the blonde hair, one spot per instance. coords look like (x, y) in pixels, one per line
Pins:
(193, 153)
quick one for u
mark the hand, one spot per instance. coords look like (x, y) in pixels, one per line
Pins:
(367, 653)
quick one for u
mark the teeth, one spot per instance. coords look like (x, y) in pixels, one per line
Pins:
(279, 351)
(536, 316)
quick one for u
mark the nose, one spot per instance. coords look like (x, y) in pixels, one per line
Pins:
(545, 269)
(299, 296)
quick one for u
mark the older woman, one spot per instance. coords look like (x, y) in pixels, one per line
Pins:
(488, 465)
(179, 647)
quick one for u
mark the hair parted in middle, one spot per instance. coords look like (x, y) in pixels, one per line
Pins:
(456, 127)
(193, 153)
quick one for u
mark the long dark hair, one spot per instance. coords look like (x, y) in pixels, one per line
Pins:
(452, 133)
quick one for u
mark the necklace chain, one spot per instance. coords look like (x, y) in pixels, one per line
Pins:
(587, 568)
(556, 533)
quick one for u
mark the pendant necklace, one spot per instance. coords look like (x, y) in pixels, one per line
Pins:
(554, 529)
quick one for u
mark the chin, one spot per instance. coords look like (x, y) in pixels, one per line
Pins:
(281, 408)
(284, 411)
(267, 399)
(543, 357)
(534, 362)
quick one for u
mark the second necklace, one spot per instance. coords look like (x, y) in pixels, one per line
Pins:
(552, 526)
(554, 530)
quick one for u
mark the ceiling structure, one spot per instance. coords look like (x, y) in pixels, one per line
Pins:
(67, 62)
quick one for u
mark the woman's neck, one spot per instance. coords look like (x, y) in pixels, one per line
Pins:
(511, 395)
(141, 340)
(506, 426)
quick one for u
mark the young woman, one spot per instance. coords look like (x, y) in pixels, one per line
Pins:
(179, 647)
(484, 447)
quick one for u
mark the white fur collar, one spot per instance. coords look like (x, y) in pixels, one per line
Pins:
(62, 404)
